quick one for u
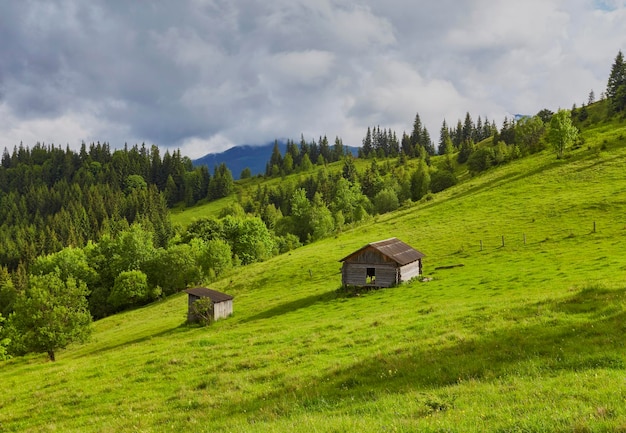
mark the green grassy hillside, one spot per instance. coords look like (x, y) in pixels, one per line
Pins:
(525, 336)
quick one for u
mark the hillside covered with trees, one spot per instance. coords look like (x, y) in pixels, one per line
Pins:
(96, 223)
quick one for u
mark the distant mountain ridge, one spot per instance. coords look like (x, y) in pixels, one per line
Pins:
(254, 157)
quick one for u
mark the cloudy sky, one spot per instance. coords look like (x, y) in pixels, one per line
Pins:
(203, 75)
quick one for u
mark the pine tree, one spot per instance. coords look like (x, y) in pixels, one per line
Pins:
(591, 98)
(426, 142)
(616, 86)
(444, 138)
(468, 127)
(276, 160)
(416, 135)
(406, 147)
(222, 183)
(366, 150)
(457, 136)
(294, 151)
(338, 149)
(324, 147)
(467, 147)
(348, 171)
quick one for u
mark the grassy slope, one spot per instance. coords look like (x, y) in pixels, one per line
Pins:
(525, 337)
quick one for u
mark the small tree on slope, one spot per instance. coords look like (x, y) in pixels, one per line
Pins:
(561, 132)
(52, 314)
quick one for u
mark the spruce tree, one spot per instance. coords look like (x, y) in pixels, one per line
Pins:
(468, 127)
(275, 160)
(426, 142)
(366, 150)
(616, 86)
(444, 138)
(407, 148)
(416, 135)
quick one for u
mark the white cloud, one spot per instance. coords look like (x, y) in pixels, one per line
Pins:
(52, 130)
(195, 147)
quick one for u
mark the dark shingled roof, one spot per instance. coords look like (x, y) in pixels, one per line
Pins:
(215, 296)
(393, 248)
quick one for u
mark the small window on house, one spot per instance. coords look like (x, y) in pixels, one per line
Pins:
(370, 276)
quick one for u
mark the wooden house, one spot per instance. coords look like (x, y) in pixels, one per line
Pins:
(381, 264)
(222, 303)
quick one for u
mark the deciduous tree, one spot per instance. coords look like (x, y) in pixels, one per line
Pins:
(420, 181)
(528, 132)
(385, 201)
(561, 132)
(52, 314)
(249, 238)
(130, 288)
(213, 257)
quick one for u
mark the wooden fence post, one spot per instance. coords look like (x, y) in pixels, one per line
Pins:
(502, 241)
(481, 244)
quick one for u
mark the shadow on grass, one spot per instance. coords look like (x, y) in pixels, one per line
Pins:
(183, 327)
(508, 178)
(289, 307)
(560, 339)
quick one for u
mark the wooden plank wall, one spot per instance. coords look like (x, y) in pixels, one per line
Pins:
(409, 271)
(190, 300)
(354, 274)
(369, 256)
(222, 309)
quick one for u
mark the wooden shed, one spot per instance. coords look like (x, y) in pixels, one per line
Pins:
(222, 303)
(381, 264)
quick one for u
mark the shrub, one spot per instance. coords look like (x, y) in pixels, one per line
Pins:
(481, 160)
(287, 242)
(203, 310)
(386, 201)
(441, 180)
(4, 342)
(130, 288)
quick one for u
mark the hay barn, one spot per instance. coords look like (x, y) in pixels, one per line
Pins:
(222, 303)
(381, 264)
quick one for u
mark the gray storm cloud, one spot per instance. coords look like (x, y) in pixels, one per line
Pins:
(206, 75)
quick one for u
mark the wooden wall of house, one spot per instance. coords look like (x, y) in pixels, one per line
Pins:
(355, 274)
(222, 309)
(190, 300)
(370, 256)
(411, 270)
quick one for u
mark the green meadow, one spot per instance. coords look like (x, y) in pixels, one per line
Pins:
(521, 328)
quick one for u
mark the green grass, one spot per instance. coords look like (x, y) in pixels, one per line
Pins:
(522, 337)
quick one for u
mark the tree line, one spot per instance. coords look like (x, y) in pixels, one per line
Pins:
(302, 157)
